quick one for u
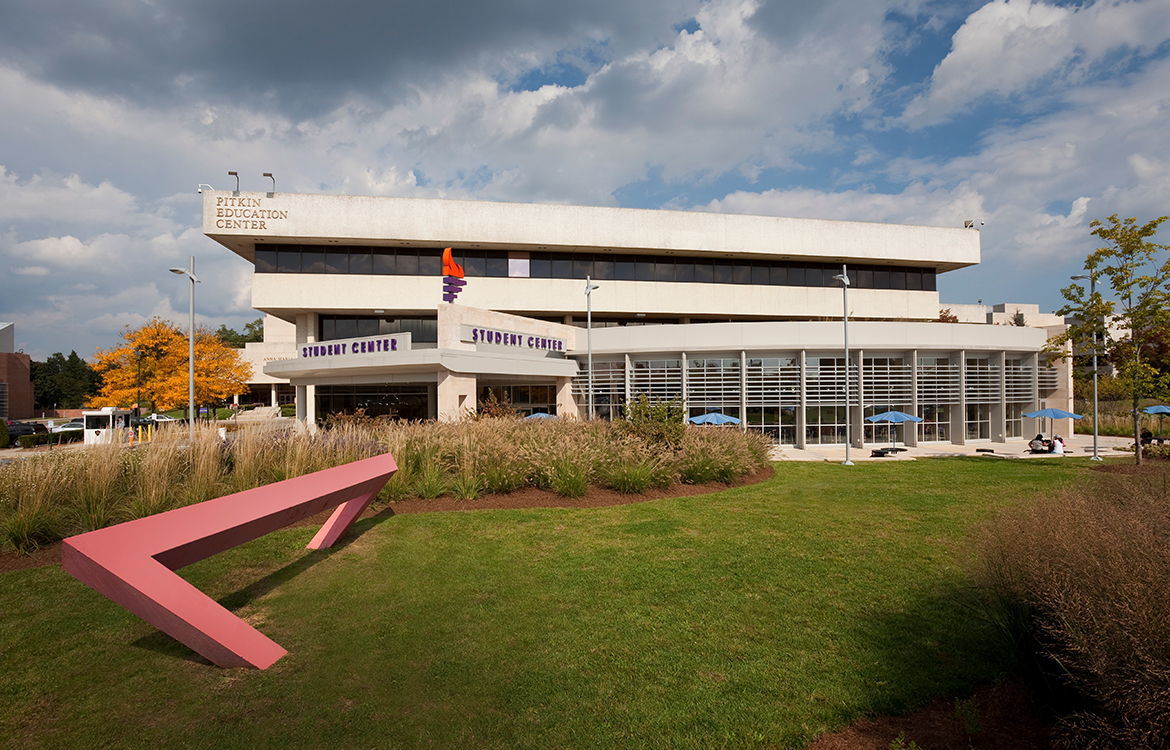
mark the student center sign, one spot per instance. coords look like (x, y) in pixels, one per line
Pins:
(735, 314)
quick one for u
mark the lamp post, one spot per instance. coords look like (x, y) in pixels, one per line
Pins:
(589, 287)
(138, 385)
(1092, 293)
(189, 272)
(843, 277)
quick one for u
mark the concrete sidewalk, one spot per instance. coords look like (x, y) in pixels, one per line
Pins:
(1076, 445)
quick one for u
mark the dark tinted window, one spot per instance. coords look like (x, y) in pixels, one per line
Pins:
(723, 272)
(881, 279)
(897, 279)
(928, 280)
(384, 262)
(795, 274)
(497, 263)
(346, 328)
(407, 262)
(562, 266)
(265, 261)
(778, 274)
(664, 269)
(539, 267)
(474, 264)
(704, 272)
(864, 278)
(312, 261)
(336, 262)
(602, 267)
(360, 261)
(367, 326)
(624, 269)
(684, 270)
(914, 280)
(741, 272)
(288, 261)
(760, 273)
(430, 262)
(645, 268)
(328, 328)
(582, 266)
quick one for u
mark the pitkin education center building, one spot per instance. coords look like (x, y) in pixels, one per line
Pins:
(736, 314)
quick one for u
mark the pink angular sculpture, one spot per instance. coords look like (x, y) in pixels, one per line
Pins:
(133, 563)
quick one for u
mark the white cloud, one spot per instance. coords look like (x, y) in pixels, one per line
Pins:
(1005, 47)
(31, 271)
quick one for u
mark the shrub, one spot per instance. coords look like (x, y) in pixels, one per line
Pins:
(568, 476)
(1079, 585)
(657, 423)
(4, 434)
(55, 438)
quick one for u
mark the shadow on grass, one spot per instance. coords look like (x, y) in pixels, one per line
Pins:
(933, 644)
(161, 643)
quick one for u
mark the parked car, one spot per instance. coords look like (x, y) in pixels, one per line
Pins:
(73, 424)
(17, 429)
(161, 418)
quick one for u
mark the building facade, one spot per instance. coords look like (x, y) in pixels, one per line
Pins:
(737, 314)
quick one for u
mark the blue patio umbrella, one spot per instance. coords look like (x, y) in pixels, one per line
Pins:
(1159, 410)
(1051, 414)
(713, 418)
(541, 415)
(893, 417)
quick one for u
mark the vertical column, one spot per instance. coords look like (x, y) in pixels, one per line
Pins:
(999, 408)
(1032, 425)
(857, 418)
(910, 431)
(311, 408)
(302, 401)
(686, 386)
(959, 420)
(629, 379)
(272, 391)
(743, 421)
(566, 405)
(801, 411)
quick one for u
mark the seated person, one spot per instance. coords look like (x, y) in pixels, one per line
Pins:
(1147, 437)
(1058, 445)
(1037, 445)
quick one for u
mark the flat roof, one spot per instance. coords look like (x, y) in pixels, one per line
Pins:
(240, 221)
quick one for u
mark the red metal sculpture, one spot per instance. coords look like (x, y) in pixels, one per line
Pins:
(133, 563)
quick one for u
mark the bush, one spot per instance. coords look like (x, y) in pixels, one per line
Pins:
(3, 434)
(55, 438)
(1080, 585)
(657, 423)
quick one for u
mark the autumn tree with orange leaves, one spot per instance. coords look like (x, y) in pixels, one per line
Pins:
(159, 351)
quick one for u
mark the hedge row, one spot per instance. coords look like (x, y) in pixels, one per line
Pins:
(56, 438)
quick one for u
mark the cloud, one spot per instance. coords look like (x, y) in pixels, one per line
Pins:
(1004, 48)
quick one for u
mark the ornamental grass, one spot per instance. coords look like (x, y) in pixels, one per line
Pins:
(1079, 585)
(53, 495)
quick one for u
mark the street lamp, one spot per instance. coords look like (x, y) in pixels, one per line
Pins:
(1092, 293)
(843, 277)
(589, 287)
(189, 272)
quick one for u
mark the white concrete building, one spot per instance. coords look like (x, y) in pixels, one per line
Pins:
(738, 314)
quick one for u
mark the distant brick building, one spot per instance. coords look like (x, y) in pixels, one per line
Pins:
(16, 391)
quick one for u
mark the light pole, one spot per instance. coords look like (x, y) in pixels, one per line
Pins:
(189, 272)
(589, 287)
(1092, 294)
(843, 277)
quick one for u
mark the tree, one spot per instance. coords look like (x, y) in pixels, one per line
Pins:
(1018, 319)
(63, 382)
(158, 351)
(1138, 278)
(946, 316)
(253, 332)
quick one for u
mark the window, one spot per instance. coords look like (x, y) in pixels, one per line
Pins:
(336, 262)
(518, 265)
(312, 261)
(265, 261)
(360, 261)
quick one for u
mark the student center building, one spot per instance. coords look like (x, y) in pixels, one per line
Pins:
(736, 314)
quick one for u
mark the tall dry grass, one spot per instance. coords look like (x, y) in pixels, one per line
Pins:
(1080, 584)
(47, 497)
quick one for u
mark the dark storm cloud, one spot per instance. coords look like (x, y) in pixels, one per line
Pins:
(302, 57)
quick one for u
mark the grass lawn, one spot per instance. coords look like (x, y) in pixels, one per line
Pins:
(755, 617)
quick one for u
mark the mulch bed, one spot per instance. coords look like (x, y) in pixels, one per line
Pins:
(1005, 716)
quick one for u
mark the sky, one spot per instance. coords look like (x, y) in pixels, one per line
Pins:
(1034, 117)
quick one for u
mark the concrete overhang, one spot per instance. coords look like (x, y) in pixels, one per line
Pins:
(420, 361)
(241, 221)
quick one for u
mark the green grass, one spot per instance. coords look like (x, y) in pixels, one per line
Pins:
(755, 617)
